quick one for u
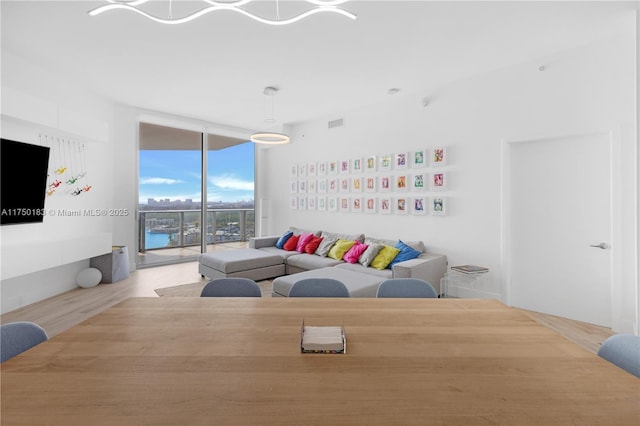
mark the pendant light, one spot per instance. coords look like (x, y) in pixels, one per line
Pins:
(270, 138)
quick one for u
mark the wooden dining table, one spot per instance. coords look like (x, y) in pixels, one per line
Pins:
(237, 361)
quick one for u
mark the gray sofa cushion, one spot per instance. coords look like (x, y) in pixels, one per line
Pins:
(311, 261)
(282, 253)
(356, 267)
(417, 245)
(239, 260)
(359, 285)
(352, 237)
(298, 231)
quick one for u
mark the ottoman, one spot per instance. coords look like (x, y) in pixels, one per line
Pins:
(247, 263)
(358, 284)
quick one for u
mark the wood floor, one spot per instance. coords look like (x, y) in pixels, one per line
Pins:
(63, 311)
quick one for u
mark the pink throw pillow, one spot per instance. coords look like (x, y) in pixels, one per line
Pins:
(353, 254)
(304, 239)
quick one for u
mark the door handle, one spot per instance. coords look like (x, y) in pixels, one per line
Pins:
(602, 246)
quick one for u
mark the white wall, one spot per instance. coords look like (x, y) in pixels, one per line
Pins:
(586, 89)
(42, 260)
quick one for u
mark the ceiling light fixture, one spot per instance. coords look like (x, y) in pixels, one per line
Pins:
(270, 138)
(320, 6)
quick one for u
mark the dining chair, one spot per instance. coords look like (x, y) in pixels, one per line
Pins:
(319, 287)
(622, 350)
(231, 287)
(17, 337)
(406, 287)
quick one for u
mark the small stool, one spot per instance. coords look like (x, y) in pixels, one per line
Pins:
(247, 263)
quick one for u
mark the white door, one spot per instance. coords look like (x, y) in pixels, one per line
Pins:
(560, 207)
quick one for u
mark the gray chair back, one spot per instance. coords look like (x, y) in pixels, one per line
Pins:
(622, 350)
(318, 287)
(231, 287)
(17, 337)
(406, 287)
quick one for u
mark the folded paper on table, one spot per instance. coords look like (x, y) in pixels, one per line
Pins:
(317, 339)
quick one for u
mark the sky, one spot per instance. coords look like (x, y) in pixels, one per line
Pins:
(176, 174)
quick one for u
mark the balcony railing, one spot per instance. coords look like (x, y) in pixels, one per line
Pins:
(161, 229)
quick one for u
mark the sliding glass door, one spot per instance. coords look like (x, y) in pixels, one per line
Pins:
(171, 182)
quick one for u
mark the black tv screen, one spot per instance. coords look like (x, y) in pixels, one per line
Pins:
(23, 181)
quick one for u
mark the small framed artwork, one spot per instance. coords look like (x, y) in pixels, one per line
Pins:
(311, 203)
(401, 205)
(345, 204)
(439, 181)
(345, 185)
(322, 168)
(311, 186)
(293, 187)
(401, 182)
(332, 185)
(302, 203)
(321, 204)
(302, 186)
(418, 159)
(293, 171)
(332, 167)
(419, 181)
(385, 162)
(356, 205)
(302, 170)
(332, 204)
(356, 184)
(438, 206)
(370, 184)
(439, 156)
(357, 165)
(385, 205)
(370, 164)
(419, 205)
(293, 203)
(402, 161)
(345, 167)
(322, 186)
(311, 169)
(385, 183)
(370, 205)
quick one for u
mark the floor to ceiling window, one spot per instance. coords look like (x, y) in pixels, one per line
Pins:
(170, 193)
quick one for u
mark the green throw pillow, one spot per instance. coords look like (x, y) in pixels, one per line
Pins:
(340, 248)
(384, 257)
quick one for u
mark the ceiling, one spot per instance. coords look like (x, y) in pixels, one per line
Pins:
(216, 67)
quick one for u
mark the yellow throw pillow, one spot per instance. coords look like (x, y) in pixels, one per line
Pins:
(340, 248)
(384, 257)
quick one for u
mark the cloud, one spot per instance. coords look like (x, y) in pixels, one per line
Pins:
(159, 181)
(227, 182)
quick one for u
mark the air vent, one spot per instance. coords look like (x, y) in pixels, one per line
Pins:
(336, 123)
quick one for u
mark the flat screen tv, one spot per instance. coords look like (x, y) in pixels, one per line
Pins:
(23, 181)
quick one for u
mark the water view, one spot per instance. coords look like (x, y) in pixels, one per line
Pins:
(154, 240)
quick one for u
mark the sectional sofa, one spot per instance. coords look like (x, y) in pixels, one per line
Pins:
(266, 259)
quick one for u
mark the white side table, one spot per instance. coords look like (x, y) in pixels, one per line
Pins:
(469, 286)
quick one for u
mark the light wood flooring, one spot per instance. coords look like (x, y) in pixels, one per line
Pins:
(65, 310)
